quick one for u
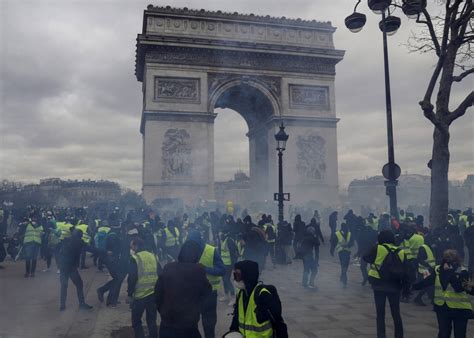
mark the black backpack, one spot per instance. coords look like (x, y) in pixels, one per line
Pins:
(280, 330)
(392, 269)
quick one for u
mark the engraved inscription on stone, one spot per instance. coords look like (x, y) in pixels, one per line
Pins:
(302, 96)
(176, 155)
(172, 89)
(311, 163)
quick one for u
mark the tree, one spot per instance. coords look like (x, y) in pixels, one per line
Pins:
(450, 36)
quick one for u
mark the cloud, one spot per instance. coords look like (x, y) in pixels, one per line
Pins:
(70, 104)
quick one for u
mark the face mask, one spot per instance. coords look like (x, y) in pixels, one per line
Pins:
(239, 285)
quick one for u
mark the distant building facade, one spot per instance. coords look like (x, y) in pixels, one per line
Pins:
(413, 192)
(61, 193)
(236, 190)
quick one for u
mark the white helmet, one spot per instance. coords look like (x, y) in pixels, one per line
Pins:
(233, 334)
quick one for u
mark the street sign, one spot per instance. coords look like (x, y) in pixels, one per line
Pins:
(396, 171)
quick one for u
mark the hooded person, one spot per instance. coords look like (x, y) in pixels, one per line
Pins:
(257, 312)
(180, 293)
(215, 269)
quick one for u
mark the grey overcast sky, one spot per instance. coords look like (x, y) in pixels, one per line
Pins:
(70, 104)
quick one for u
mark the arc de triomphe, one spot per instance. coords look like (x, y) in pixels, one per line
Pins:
(266, 69)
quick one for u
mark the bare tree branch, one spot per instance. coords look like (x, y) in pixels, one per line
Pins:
(428, 111)
(461, 76)
(461, 110)
(431, 29)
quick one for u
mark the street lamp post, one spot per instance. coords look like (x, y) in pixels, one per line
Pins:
(281, 137)
(389, 26)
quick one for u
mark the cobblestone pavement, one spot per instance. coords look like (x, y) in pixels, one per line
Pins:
(29, 307)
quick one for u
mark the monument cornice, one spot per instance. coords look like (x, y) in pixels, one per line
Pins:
(182, 116)
(290, 120)
(254, 60)
(235, 16)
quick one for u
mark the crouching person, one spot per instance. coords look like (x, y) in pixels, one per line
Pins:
(257, 311)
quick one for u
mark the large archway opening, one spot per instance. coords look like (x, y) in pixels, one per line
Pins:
(243, 111)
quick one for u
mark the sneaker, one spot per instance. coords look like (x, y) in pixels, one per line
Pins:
(112, 306)
(45, 270)
(100, 295)
(58, 272)
(310, 286)
(62, 308)
(85, 306)
(231, 302)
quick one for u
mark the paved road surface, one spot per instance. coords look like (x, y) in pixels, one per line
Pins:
(29, 307)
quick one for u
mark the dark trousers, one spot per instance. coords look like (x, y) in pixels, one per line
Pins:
(446, 324)
(172, 332)
(271, 251)
(139, 306)
(30, 265)
(394, 302)
(228, 287)
(310, 268)
(73, 274)
(113, 286)
(209, 315)
(344, 259)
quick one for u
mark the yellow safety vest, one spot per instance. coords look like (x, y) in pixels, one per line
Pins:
(171, 240)
(225, 252)
(271, 241)
(147, 274)
(453, 299)
(241, 249)
(207, 259)
(249, 327)
(414, 244)
(104, 229)
(382, 253)
(374, 223)
(65, 229)
(430, 260)
(32, 234)
(85, 236)
(342, 243)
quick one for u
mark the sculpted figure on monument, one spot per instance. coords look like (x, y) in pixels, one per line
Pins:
(176, 150)
(311, 157)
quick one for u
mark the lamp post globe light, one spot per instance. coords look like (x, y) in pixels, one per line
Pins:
(389, 26)
(281, 137)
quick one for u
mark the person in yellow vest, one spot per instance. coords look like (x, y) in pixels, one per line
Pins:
(341, 242)
(388, 276)
(257, 312)
(215, 270)
(86, 238)
(32, 232)
(411, 245)
(451, 302)
(172, 240)
(142, 276)
(426, 264)
(229, 254)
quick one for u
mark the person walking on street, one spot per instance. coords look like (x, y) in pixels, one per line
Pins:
(31, 245)
(258, 310)
(229, 254)
(388, 276)
(142, 277)
(309, 251)
(341, 242)
(215, 270)
(451, 302)
(69, 257)
(180, 293)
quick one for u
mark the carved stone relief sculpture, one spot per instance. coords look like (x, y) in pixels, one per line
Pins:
(311, 164)
(302, 96)
(176, 155)
(172, 89)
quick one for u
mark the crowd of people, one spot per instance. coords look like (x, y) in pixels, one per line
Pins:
(175, 265)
